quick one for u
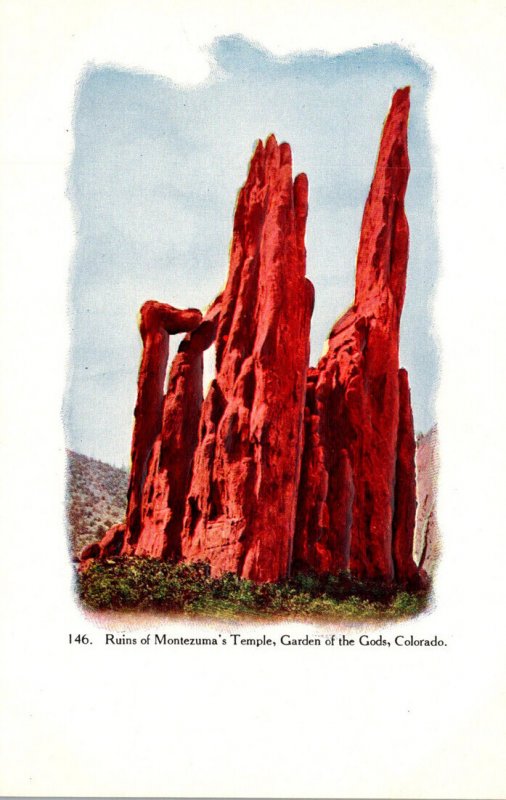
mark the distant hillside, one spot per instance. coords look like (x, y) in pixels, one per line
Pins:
(427, 542)
(96, 499)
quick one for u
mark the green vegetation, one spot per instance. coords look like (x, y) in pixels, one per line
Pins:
(149, 584)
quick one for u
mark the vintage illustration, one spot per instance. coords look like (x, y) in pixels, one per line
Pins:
(265, 477)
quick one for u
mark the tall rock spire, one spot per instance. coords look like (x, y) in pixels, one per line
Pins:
(240, 513)
(355, 436)
(384, 237)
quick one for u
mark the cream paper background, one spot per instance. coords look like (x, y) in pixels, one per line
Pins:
(280, 722)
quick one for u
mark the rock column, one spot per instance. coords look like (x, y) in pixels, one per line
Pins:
(359, 434)
(157, 322)
(240, 513)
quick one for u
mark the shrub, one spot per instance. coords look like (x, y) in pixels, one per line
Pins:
(146, 583)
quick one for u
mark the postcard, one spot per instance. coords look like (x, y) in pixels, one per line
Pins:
(253, 452)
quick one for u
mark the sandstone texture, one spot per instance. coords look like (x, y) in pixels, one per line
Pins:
(110, 545)
(357, 499)
(157, 322)
(169, 471)
(282, 467)
(241, 505)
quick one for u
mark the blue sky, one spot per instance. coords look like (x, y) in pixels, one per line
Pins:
(154, 179)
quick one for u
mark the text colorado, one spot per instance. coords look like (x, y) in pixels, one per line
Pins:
(410, 641)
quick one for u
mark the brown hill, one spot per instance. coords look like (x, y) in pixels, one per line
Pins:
(427, 541)
(96, 499)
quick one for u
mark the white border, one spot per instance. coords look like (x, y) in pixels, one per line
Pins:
(251, 723)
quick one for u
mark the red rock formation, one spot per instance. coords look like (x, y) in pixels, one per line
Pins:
(158, 321)
(358, 435)
(279, 466)
(241, 505)
(167, 482)
(110, 545)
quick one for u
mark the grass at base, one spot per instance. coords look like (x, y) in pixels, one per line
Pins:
(149, 584)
